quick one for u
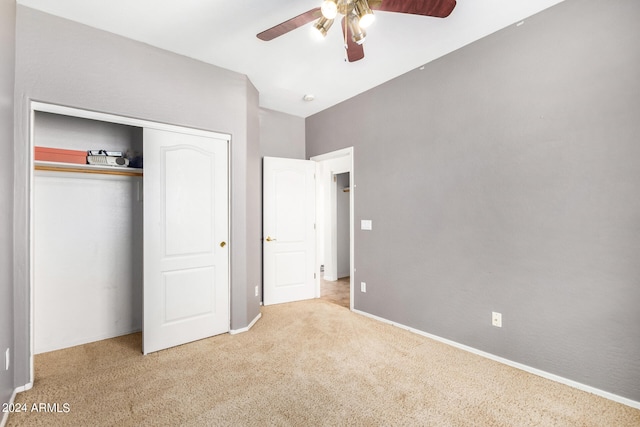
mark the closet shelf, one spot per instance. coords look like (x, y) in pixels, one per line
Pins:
(80, 168)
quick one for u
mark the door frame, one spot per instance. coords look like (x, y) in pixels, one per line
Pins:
(327, 165)
(37, 106)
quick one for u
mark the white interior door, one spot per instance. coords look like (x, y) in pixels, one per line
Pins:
(186, 231)
(289, 230)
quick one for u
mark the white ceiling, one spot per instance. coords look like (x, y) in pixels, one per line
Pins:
(283, 70)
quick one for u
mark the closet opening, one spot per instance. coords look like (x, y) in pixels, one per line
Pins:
(87, 232)
(90, 219)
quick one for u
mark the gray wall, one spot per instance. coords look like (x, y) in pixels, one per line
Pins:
(281, 135)
(62, 62)
(506, 177)
(7, 68)
(254, 206)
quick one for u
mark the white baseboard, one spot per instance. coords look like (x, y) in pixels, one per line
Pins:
(25, 387)
(86, 340)
(5, 415)
(245, 329)
(534, 371)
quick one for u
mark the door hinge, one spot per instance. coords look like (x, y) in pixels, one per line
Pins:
(314, 275)
(335, 178)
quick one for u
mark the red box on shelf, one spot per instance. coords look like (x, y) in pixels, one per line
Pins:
(60, 155)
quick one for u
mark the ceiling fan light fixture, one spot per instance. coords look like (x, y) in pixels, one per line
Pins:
(322, 26)
(329, 8)
(358, 35)
(364, 13)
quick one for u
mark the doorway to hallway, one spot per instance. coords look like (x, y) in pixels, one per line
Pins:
(336, 292)
(334, 224)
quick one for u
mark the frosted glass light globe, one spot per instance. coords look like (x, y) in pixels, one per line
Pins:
(367, 20)
(329, 9)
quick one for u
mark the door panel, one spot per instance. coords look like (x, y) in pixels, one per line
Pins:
(186, 272)
(290, 216)
(192, 204)
(187, 294)
(289, 230)
(289, 268)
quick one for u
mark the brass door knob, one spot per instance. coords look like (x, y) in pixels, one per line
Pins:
(269, 239)
(223, 244)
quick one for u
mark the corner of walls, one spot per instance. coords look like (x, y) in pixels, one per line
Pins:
(282, 135)
(254, 206)
(246, 214)
(7, 85)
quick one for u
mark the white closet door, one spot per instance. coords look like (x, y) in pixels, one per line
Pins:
(186, 236)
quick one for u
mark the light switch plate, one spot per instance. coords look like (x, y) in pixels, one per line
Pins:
(366, 224)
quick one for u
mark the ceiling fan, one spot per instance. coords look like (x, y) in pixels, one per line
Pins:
(358, 15)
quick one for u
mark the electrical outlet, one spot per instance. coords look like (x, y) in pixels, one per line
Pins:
(496, 319)
(256, 290)
(7, 355)
(363, 287)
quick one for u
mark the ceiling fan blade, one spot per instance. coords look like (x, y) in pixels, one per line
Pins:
(435, 8)
(289, 25)
(355, 51)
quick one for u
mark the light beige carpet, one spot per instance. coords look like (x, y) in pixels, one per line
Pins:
(303, 364)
